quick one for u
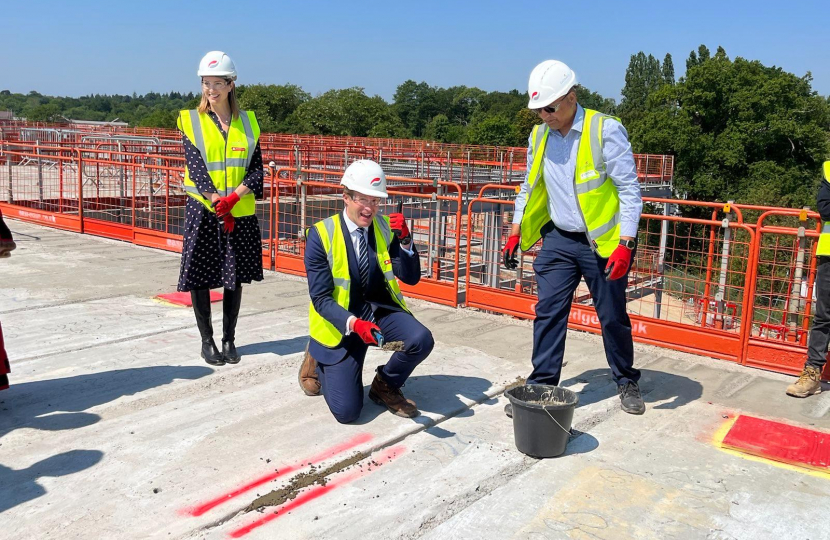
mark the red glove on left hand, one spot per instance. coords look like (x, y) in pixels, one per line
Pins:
(228, 223)
(618, 263)
(398, 225)
(225, 204)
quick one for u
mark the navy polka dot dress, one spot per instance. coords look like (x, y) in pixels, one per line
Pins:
(212, 258)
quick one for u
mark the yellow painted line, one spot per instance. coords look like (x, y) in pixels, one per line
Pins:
(720, 434)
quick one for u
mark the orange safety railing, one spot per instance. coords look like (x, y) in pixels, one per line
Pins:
(432, 209)
(736, 285)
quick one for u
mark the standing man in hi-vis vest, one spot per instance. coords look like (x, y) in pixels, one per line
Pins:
(809, 382)
(581, 196)
(222, 246)
(353, 260)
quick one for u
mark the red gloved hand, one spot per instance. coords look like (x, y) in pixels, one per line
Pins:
(398, 225)
(364, 329)
(509, 252)
(618, 263)
(225, 204)
(228, 223)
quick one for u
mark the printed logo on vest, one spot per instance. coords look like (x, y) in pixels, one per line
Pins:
(387, 261)
(588, 174)
(237, 149)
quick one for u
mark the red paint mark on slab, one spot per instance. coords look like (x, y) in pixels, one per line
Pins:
(317, 492)
(281, 471)
(183, 298)
(780, 442)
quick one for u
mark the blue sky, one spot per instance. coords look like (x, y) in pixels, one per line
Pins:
(91, 46)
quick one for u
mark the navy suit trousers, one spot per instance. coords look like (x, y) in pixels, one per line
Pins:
(342, 383)
(565, 258)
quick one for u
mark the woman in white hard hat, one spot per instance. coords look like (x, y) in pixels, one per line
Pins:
(222, 245)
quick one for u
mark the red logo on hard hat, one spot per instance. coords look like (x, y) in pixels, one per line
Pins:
(213, 64)
(375, 181)
(535, 95)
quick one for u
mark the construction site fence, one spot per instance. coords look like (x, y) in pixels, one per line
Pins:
(735, 284)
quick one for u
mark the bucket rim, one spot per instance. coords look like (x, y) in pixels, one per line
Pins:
(552, 407)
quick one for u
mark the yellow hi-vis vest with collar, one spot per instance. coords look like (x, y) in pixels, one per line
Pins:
(227, 162)
(334, 242)
(596, 195)
(823, 247)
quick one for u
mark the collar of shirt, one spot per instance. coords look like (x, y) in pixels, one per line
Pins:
(351, 225)
(579, 119)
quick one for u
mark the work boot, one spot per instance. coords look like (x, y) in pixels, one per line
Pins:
(808, 383)
(201, 307)
(630, 399)
(391, 398)
(309, 382)
(231, 302)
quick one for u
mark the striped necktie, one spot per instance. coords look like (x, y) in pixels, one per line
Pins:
(363, 267)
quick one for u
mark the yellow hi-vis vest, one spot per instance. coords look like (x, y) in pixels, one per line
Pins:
(823, 247)
(227, 162)
(334, 242)
(597, 198)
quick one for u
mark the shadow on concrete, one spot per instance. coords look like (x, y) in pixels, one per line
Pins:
(57, 404)
(281, 347)
(437, 394)
(655, 386)
(20, 486)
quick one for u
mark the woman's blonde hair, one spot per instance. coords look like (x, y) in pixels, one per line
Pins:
(204, 106)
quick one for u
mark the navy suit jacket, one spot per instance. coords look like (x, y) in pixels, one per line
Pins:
(407, 268)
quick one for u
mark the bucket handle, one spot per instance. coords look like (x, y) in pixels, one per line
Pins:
(557, 423)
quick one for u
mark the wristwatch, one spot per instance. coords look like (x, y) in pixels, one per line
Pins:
(629, 244)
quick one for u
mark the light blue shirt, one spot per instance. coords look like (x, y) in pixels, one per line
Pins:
(560, 166)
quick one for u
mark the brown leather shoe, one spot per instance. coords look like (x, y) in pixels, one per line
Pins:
(309, 382)
(392, 398)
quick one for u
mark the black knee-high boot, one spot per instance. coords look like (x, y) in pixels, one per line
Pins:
(201, 307)
(230, 313)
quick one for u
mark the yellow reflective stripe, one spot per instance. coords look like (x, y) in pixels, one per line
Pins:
(383, 226)
(826, 169)
(198, 136)
(328, 225)
(591, 185)
(249, 134)
(602, 229)
(215, 166)
(237, 162)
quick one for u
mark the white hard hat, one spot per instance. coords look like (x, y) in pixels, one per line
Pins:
(548, 82)
(366, 177)
(217, 64)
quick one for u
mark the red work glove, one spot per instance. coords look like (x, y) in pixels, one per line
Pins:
(228, 223)
(398, 225)
(509, 252)
(618, 263)
(225, 204)
(364, 329)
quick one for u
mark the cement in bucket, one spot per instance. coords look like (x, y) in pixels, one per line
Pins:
(542, 416)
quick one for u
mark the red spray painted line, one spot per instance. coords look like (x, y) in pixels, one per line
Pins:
(331, 452)
(316, 492)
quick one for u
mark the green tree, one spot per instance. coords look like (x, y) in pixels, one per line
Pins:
(160, 118)
(344, 112)
(642, 77)
(668, 70)
(437, 128)
(493, 130)
(739, 130)
(272, 104)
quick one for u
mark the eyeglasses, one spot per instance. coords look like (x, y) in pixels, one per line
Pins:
(550, 109)
(220, 85)
(364, 201)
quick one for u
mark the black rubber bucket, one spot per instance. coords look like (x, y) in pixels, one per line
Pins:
(542, 416)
